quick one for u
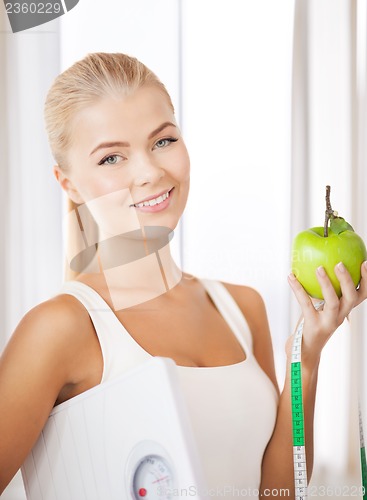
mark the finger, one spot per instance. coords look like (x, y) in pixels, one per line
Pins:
(302, 297)
(362, 290)
(331, 299)
(349, 293)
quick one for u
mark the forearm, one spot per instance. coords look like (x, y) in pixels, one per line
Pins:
(277, 466)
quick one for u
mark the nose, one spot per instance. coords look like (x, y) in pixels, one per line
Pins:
(147, 171)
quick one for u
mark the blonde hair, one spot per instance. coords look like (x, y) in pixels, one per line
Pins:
(96, 76)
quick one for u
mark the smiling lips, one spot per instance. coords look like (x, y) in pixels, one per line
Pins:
(155, 204)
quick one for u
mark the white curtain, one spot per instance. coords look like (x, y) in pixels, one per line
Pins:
(237, 61)
(30, 216)
(31, 202)
(329, 147)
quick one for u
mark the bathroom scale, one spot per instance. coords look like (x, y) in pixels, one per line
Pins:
(126, 439)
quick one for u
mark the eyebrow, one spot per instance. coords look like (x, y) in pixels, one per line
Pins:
(105, 145)
(122, 144)
(160, 128)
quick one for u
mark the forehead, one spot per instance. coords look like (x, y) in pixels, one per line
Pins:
(122, 117)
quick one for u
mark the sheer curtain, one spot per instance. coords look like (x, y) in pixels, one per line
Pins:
(31, 245)
(329, 147)
(30, 219)
(237, 61)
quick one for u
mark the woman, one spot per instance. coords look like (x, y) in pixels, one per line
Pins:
(123, 163)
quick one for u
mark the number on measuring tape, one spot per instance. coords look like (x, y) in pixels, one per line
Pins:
(298, 423)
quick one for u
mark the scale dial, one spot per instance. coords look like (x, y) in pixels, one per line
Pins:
(153, 479)
(150, 472)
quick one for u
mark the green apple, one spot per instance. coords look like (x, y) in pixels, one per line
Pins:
(327, 246)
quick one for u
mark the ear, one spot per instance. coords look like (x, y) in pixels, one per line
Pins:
(67, 185)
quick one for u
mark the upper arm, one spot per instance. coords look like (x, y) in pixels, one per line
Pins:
(35, 365)
(253, 308)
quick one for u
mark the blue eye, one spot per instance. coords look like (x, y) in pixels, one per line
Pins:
(110, 160)
(162, 143)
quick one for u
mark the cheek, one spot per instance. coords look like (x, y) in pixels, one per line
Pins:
(100, 185)
(181, 166)
(112, 212)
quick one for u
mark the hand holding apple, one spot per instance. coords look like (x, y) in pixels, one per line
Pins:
(327, 246)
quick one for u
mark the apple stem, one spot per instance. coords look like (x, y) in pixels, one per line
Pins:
(328, 212)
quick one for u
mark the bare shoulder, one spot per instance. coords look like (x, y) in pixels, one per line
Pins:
(253, 308)
(56, 324)
(48, 342)
(46, 354)
(60, 313)
(59, 331)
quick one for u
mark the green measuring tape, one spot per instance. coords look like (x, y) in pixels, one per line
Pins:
(298, 420)
(298, 423)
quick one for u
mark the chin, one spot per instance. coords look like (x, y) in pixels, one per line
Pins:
(150, 229)
(164, 220)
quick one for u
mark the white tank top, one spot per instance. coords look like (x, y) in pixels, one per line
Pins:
(232, 408)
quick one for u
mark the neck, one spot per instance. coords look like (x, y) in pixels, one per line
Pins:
(137, 267)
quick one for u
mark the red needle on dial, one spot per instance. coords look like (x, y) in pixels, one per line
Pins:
(160, 479)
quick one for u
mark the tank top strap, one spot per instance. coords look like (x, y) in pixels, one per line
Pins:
(110, 332)
(230, 311)
(96, 306)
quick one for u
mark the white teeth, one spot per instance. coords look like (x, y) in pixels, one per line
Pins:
(153, 202)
